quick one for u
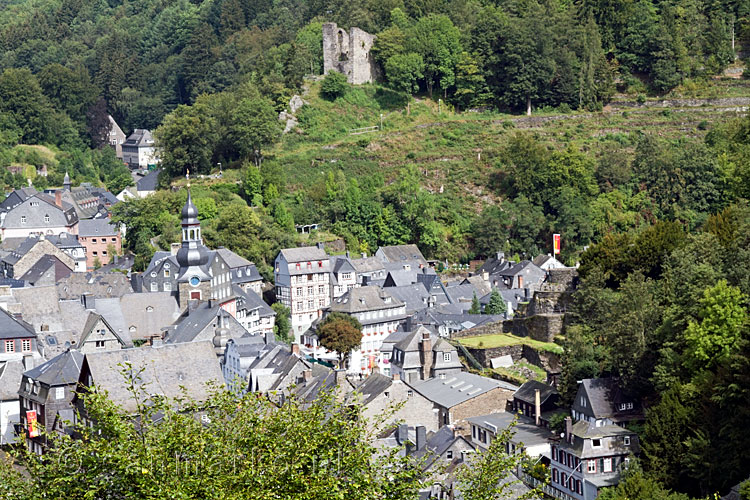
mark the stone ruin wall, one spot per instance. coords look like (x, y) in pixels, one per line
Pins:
(349, 53)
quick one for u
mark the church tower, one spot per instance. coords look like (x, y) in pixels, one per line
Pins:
(194, 278)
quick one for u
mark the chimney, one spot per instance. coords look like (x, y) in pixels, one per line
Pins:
(295, 348)
(426, 347)
(376, 370)
(307, 375)
(28, 362)
(537, 407)
(501, 256)
(402, 433)
(396, 377)
(173, 248)
(421, 437)
(485, 276)
(568, 429)
(58, 198)
(320, 245)
(364, 255)
(270, 337)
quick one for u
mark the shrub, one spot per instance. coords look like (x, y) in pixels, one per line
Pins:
(703, 125)
(334, 85)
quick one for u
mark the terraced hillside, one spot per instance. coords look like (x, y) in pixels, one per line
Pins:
(460, 151)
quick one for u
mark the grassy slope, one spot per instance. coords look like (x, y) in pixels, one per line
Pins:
(502, 339)
(459, 151)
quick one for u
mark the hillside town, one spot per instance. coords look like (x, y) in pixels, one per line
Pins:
(73, 312)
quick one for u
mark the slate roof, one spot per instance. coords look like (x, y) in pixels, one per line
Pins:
(517, 269)
(148, 182)
(524, 431)
(232, 259)
(140, 137)
(250, 300)
(341, 264)
(63, 369)
(479, 284)
(16, 254)
(414, 296)
(458, 388)
(11, 373)
(95, 284)
(603, 395)
(167, 370)
(372, 387)
(304, 254)
(540, 260)
(365, 298)
(494, 265)
(527, 392)
(11, 328)
(367, 264)
(91, 321)
(198, 319)
(43, 265)
(400, 253)
(96, 227)
(17, 197)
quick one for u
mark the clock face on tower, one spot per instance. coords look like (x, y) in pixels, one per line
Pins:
(195, 281)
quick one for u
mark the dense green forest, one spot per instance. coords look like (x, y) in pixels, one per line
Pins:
(657, 195)
(211, 76)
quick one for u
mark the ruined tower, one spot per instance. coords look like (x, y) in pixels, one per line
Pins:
(349, 53)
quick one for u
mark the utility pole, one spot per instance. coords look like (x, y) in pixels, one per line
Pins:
(381, 121)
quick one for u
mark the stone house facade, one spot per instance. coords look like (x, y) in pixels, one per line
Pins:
(380, 395)
(98, 335)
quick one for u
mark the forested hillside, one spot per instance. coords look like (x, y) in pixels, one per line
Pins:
(211, 76)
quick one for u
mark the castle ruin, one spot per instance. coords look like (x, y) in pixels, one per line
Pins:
(349, 53)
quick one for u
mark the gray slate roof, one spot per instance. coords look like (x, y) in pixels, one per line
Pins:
(232, 259)
(400, 253)
(458, 388)
(524, 431)
(372, 387)
(96, 227)
(366, 298)
(11, 373)
(250, 301)
(527, 392)
(198, 319)
(604, 394)
(149, 182)
(167, 370)
(63, 369)
(42, 266)
(367, 264)
(304, 254)
(11, 328)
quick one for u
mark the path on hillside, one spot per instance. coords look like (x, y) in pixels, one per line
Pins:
(720, 105)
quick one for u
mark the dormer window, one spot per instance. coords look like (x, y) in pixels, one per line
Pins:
(625, 406)
(46, 218)
(23, 219)
(626, 440)
(583, 401)
(596, 443)
(446, 356)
